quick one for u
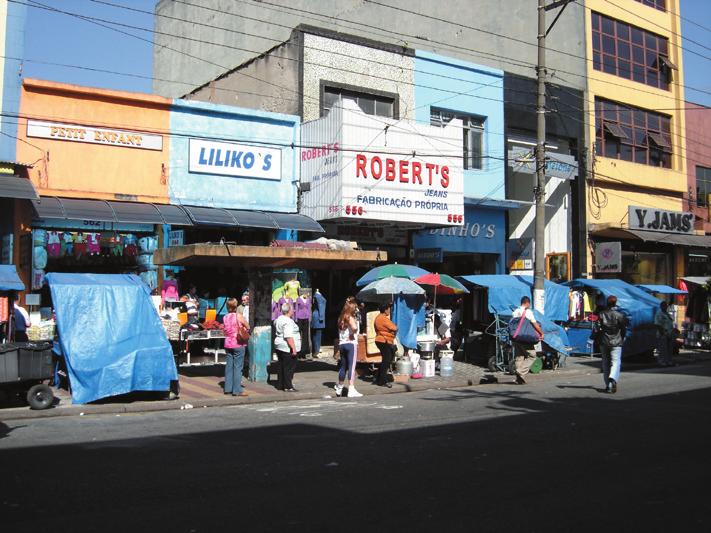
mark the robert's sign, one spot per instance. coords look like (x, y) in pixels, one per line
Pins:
(645, 218)
(239, 160)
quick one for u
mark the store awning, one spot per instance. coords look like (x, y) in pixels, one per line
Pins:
(225, 255)
(81, 209)
(9, 280)
(296, 222)
(209, 216)
(682, 239)
(17, 187)
(136, 212)
(253, 219)
(174, 215)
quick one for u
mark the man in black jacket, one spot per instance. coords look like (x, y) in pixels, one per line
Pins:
(612, 327)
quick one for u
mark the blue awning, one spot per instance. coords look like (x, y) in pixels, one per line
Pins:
(9, 280)
(661, 289)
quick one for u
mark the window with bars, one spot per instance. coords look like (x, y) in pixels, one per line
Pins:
(661, 5)
(703, 185)
(632, 134)
(370, 104)
(473, 135)
(630, 52)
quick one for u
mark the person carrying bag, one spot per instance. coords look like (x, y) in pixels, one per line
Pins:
(525, 332)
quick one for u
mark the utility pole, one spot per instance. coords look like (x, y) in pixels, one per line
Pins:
(539, 300)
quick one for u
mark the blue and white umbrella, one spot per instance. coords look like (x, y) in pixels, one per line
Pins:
(391, 286)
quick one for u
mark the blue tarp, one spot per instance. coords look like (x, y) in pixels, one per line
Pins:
(661, 289)
(504, 295)
(557, 298)
(111, 336)
(408, 314)
(9, 280)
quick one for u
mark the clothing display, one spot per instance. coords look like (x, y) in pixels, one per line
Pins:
(303, 325)
(54, 247)
(92, 244)
(303, 308)
(291, 289)
(79, 245)
(67, 244)
(130, 245)
(318, 313)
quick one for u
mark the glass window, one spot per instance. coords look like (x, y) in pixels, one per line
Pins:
(661, 5)
(370, 104)
(472, 138)
(631, 53)
(633, 134)
(703, 185)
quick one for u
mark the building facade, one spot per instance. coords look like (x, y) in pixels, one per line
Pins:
(637, 186)
(12, 51)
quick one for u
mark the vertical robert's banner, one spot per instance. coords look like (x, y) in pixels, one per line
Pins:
(369, 168)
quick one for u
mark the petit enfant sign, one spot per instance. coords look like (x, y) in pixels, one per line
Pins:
(92, 135)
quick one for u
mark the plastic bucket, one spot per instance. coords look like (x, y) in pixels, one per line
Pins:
(446, 366)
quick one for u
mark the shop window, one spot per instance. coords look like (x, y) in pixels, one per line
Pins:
(558, 267)
(661, 5)
(632, 134)
(473, 135)
(703, 185)
(632, 53)
(370, 104)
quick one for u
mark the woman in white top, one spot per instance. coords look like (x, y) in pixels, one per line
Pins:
(347, 342)
(287, 343)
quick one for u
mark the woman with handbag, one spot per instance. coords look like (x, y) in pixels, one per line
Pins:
(236, 337)
(524, 352)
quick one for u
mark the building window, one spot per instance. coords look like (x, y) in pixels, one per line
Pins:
(370, 104)
(703, 185)
(661, 5)
(630, 52)
(632, 134)
(473, 135)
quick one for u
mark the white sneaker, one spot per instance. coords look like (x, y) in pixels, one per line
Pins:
(338, 388)
(353, 393)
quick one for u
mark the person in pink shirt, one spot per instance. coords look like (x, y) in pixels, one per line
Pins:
(235, 325)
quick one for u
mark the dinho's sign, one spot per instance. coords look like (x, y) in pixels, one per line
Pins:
(643, 218)
(230, 159)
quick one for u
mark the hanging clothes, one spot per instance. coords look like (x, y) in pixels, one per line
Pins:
(54, 247)
(291, 289)
(318, 315)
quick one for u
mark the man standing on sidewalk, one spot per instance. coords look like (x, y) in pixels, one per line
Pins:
(612, 329)
(665, 335)
(525, 354)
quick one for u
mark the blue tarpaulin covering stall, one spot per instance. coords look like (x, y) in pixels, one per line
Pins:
(557, 298)
(111, 336)
(638, 306)
(408, 314)
(9, 280)
(661, 289)
(504, 295)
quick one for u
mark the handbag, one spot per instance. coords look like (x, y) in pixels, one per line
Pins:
(243, 334)
(521, 330)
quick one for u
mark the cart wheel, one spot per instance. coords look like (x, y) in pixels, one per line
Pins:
(40, 397)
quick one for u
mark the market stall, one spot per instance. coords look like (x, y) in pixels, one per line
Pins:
(637, 305)
(695, 328)
(10, 284)
(110, 335)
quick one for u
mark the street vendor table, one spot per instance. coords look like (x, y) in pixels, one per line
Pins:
(212, 337)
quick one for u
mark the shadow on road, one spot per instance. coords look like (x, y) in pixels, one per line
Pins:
(556, 468)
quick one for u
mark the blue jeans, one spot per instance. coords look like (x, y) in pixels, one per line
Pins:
(347, 361)
(316, 341)
(611, 363)
(233, 370)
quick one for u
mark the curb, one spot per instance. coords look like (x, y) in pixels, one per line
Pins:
(24, 413)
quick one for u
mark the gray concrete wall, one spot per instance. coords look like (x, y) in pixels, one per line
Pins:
(242, 30)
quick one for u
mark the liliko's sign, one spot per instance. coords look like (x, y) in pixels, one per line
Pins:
(643, 218)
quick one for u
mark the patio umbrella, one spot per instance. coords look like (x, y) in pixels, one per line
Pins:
(443, 284)
(381, 289)
(394, 270)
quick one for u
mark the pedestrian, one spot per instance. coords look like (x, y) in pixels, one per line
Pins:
(385, 331)
(287, 343)
(243, 307)
(612, 325)
(22, 322)
(665, 335)
(235, 325)
(347, 342)
(525, 354)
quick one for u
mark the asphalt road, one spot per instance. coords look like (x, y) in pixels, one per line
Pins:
(549, 456)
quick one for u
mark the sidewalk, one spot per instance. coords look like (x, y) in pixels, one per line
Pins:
(201, 386)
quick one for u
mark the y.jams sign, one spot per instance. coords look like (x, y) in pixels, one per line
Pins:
(646, 218)
(372, 168)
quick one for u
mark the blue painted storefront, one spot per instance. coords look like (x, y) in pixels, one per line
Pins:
(249, 141)
(467, 89)
(11, 77)
(483, 232)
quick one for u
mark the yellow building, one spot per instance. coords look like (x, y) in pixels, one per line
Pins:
(637, 178)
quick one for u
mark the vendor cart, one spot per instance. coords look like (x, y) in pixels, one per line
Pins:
(24, 369)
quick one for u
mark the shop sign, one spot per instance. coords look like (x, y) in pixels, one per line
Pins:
(563, 166)
(522, 264)
(7, 247)
(608, 257)
(91, 225)
(176, 237)
(92, 135)
(429, 255)
(650, 219)
(231, 159)
(483, 231)
(368, 168)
